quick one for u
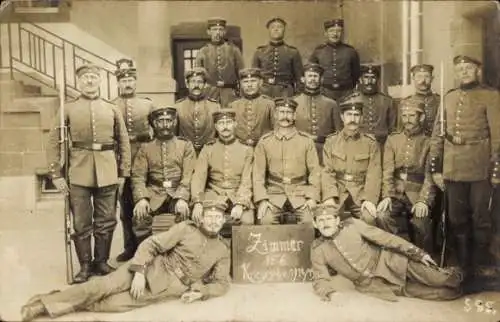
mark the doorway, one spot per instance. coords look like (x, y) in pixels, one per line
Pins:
(491, 70)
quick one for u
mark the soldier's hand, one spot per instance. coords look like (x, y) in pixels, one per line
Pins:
(191, 296)
(370, 207)
(142, 209)
(428, 261)
(310, 203)
(420, 210)
(138, 285)
(236, 212)
(121, 184)
(438, 180)
(261, 211)
(385, 205)
(61, 185)
(197, 213)
(182, 208)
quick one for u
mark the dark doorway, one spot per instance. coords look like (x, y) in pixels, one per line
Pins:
(491, 70)
(187, 39)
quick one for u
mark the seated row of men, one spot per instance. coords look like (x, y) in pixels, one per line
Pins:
(192, 262)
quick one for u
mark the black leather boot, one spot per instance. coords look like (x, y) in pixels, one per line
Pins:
(102, 247)
(463, 252)
(32, 310)
(84, 254)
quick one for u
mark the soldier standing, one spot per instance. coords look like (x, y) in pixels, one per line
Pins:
(161, 174)
(339, 60)
(379, 264)
(223, 173)
(195, 111)
(407, 189)
(422, 81)
(316, 113)
(186, 261)
(96, 130)
(352, 173)
(465, 152)
(286, 171)
(280, 63)
(254, 111)
(135, 111)
(222, 60)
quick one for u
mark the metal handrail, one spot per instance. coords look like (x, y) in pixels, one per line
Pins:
(31, 51)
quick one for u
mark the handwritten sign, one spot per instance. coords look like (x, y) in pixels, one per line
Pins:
(272, 254)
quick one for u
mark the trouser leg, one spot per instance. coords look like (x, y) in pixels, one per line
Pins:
(126, 215)
(480, 192)
(395, 221)
(356, 212)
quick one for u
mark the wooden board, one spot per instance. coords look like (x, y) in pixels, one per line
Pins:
(272, 254)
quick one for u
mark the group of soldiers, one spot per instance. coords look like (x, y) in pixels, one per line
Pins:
(323, 145)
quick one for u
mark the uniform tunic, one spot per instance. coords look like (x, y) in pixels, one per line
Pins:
(286, 167)
(281, 67)
(379, 115)
(195, 120)
(254, 118)
(173, 262)
(363, 253)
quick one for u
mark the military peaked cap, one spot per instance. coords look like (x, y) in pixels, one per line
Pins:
(163, 111)
(412, 105)
(250, 72)
(352, 102)
(371, 69)
(214, 22)
(326, 210)
(276, 19)
(466, 59)
(195, 72)
(332, 23)
(213, 205)
(313, 67)
(287, 102)
(125, 68)
(223, 113)
(422, 68)
(87, 68)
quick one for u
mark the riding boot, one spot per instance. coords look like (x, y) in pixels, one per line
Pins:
(84, 253)
(102, 247)
(463, 252)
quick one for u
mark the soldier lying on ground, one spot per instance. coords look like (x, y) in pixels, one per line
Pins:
(185, 261)
(378, 263)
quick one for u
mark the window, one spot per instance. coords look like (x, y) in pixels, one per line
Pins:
(189, 58)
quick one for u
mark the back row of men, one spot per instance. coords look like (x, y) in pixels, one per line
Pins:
(267, 155)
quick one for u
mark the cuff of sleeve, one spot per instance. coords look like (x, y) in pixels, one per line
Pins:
(181, 193)
(138, 268)
(124, 173)
(415, 253)
(436, 165)
(203, 289)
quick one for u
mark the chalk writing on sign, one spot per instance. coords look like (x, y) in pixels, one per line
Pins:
(265, 254)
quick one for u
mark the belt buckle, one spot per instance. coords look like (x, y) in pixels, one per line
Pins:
(167, 184)
(403, 176)
(348, 177)
(97, 146)
(336, 85)
(220, 83)
(457, 140)
(271, 80)
(250, 142)
(287, 180)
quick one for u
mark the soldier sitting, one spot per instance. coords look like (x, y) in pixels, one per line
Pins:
(223, 173)
(161, 174)
(407, 189)
(286, 171)
(187, 262)
(378, 263)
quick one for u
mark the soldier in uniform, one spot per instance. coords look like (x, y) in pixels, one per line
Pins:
(422, 81)
(135, 111)
(223, 173)
(254, 111)
(186, 261)
(378, 263)
(407, 189)
(195, 111)
(96, 130)
(352, 173)
(280, 63)
(379, 112)
(339, 60)
(316, 113)
(286, 170)
(222, 59)
(161, 174)
(465, 153)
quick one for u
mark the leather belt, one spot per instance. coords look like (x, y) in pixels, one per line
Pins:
(275, 81)
(250, 142)
(93, 146)
(458, 140)
(350, 177)
(167, 183)
(287, 180)
(403, 174)
(140, 138)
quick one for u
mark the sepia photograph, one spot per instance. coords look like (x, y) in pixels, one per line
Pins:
(250, 160)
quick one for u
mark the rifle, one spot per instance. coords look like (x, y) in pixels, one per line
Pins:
(445, 199)
(64, 141)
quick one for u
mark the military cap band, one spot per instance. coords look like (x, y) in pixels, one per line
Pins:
(465, 59)
(196, 71)
(87, 68)
(332, 23)
(286, 102)
(216, 22)
(370, 70)
(325, 210)
(211, 205)
(276, 19)
(412, 105)
(313, 67)
(125, 68)
(422, 68)
(163, 111)
(250, 72)
(223, 113)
